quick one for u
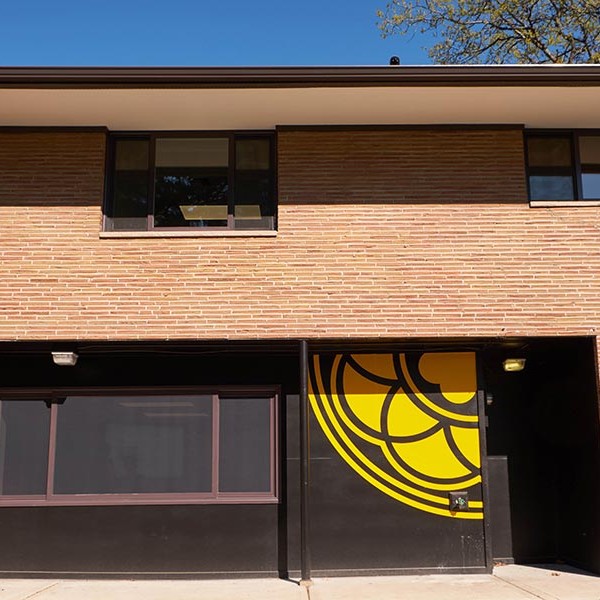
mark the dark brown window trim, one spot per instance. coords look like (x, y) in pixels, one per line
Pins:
(184, 233)
(191, 132)
(53, 396)
(134, 500)
(562, 131)
(43, 393)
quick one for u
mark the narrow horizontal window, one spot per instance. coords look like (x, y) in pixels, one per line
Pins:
(138, 449)
(162, 182)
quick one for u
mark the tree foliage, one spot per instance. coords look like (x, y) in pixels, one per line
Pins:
(500, 31)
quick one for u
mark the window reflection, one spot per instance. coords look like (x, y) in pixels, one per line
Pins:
(192, 183)
(24, 429)
(550, 187)
(124, 445)
(220, 181)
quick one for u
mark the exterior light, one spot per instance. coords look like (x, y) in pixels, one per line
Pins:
(65, 359)
(511, 365)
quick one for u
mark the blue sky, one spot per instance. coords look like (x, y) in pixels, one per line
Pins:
(200, 32)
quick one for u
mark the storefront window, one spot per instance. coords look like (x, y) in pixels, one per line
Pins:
(138, 448)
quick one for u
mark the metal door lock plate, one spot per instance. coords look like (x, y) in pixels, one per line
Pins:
(459, 501)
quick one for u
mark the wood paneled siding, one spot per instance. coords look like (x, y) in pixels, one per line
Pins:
(404, 233)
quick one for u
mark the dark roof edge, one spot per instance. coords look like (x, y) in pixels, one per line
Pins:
(434, 75)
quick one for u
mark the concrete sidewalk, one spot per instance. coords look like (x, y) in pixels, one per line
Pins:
(513, 582)
(507, 583)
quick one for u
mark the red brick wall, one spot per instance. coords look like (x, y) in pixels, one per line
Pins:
(381, 234)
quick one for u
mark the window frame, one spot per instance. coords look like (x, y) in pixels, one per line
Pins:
(152, 136)
(55, 397)
(575, 171)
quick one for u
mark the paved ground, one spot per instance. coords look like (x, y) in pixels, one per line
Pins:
(507, 583)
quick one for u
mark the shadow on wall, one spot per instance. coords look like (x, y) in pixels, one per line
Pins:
(52, 168)
(545, 421)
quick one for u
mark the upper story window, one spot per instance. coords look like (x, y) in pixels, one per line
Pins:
(563, 166)
(170, 181)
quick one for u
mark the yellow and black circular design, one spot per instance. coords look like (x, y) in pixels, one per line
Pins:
(406, 423)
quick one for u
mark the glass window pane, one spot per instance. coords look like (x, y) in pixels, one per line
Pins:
(589, 149)
(254, 206)
(245, 445)
(551, 187)
(192, 186)
(24, 431)
(131, 155)
(252, 154)
(129, 206)
(546, 151)
(134, 444)
(591, 186)
(192, 152)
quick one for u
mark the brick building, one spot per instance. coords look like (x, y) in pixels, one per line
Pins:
(401, 261)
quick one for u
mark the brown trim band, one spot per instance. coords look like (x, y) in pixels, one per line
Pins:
(348, 76)
(136, 499)
(396, 127)
(40, 393)
(52, 129)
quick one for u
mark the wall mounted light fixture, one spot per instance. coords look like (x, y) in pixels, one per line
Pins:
(65, 359)
(512, 365)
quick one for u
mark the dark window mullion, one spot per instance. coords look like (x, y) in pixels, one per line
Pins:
(109, 179)
(51, 450)
(151, 180)
(527, 167)
(274, 447)
(550, 170)
(273, 177)
(215, 446)
(577, 183)
(231, 184)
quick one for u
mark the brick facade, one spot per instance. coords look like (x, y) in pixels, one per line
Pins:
(405, 233)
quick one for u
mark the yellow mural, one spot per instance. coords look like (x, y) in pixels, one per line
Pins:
(406, 423)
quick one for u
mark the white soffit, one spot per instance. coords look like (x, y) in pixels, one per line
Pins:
(265, 108)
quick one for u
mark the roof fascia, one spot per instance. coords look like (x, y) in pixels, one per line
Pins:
(264, 77)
